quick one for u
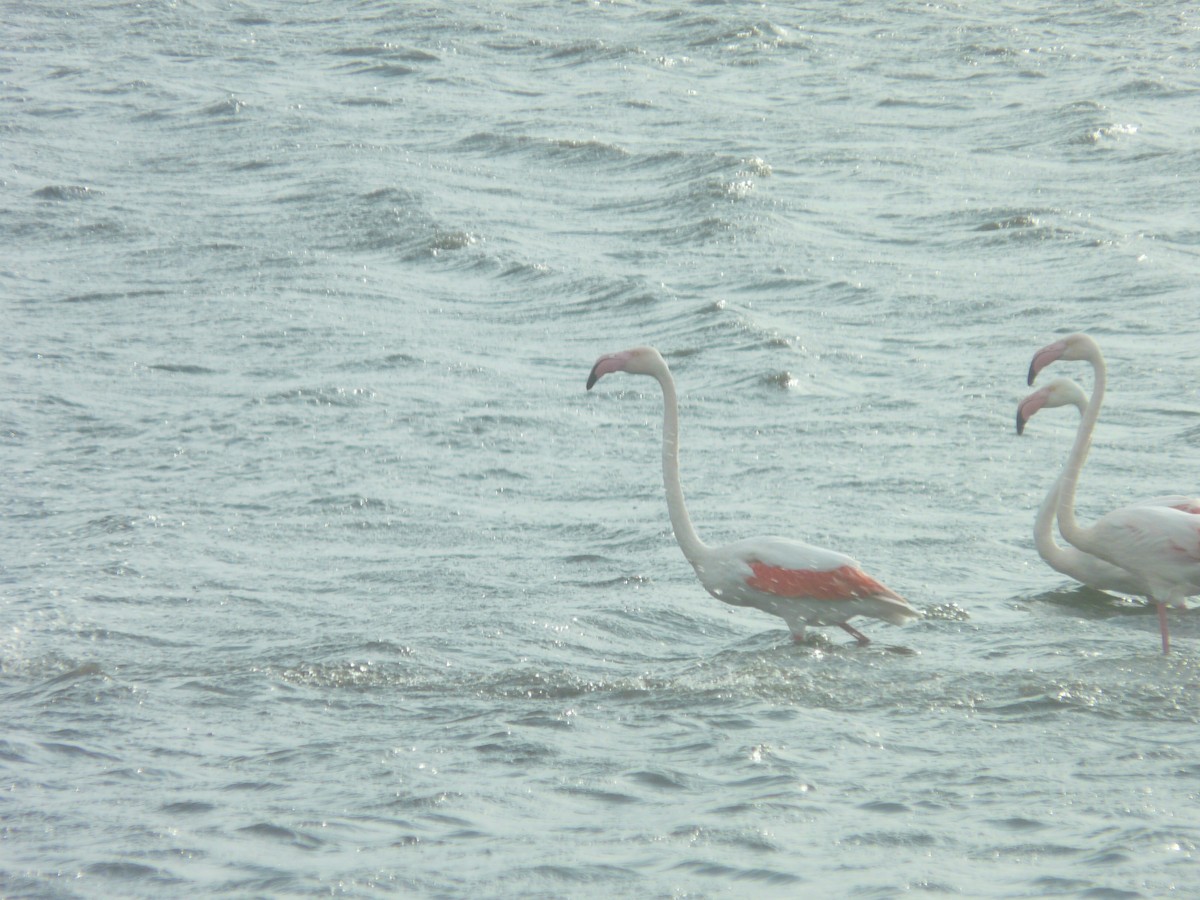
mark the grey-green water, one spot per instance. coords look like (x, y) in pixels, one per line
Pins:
(322, 573)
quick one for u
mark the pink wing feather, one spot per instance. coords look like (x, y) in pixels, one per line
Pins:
(841, 583)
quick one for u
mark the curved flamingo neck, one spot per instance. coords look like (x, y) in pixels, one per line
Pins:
(1059, 558)
(1067, 523)
(1043, 530)
(681, 523)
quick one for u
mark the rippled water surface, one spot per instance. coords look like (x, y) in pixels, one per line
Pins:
(322, 572)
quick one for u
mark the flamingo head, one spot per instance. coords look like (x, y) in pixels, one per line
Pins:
(1072, 347)
(638, 361)
(1059, 392)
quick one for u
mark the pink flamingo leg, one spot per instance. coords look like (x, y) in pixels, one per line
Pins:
(862, 639)
(1162, 626)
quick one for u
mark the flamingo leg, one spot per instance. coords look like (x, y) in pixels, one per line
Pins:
(1162, 626)
(862, 639)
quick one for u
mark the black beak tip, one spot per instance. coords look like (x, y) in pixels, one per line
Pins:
(1020, 423)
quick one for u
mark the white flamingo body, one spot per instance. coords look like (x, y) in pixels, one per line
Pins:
(1098, 572)
(1070, 560)
(802, 584)
(1158, 545)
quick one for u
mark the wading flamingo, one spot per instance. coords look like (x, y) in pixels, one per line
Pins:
(1069, 560)
(1158, 545)
(802, 584)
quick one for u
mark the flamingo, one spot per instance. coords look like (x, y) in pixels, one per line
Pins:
(1159, 545)
(1071, 561)
(802, 584)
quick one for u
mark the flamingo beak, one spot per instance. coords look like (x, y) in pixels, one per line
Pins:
(596, 374)
(609, 362)
(1044, 357)
(1028, 407)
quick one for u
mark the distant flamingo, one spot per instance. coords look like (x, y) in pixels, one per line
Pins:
(1159, 545)
(802, 584)
(1069, 560)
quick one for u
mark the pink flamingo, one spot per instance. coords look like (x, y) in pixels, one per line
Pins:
(1159, 545)
(802, 584)
(1069, 560)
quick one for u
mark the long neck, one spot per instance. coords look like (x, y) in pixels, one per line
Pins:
(1067, 523)
(681, 522)
(1043, 529)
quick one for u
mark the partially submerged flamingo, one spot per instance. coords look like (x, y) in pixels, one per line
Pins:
(1158, 545)
(802, 584)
